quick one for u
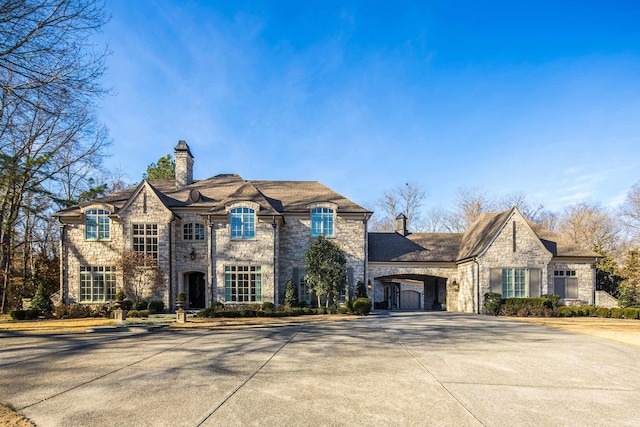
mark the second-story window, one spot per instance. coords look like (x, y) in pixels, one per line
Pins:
(145, 239)
(243, 223)
(97, 224)
(193, 231)
(322, 222)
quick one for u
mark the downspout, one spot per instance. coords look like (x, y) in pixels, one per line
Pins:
(170, 301)
(275, 260)
(475, 261)
(64, 296)
(365, 272)
(210, 269)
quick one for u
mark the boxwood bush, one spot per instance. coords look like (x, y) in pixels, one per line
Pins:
(617, 313)
(631, 313)
(362, 306)
(603, 312)
(156, 307)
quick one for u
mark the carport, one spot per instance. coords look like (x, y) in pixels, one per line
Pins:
(410, 291)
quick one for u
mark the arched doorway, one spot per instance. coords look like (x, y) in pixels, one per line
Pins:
(197, 290)
(410, 292)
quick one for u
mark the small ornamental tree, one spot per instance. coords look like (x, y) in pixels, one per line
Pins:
(361, 290)
(141, 274)
(290, 294)
(326, 269)
(41, 302)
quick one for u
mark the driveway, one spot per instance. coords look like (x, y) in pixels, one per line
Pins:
(386, 369)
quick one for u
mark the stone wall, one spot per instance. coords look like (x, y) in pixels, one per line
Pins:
(295, 238)
(603, 299)
(586, 280)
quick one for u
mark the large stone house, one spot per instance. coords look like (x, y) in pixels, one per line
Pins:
(239, 241)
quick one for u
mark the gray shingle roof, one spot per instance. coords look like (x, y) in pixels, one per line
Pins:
(274, 197)
(449, 247)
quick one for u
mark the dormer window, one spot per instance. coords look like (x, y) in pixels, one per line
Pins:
(243, 223)
(322, 221)
(97, 225)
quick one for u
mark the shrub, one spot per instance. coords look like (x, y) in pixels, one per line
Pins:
(156, 307)
(182, 296)
(362, 306)
(631, 313)
(617, 313)
(216, 306)
(589, 310)
(349, 305)
(141, 305)
(18, 314)
(492, 303)
(206, 312)
(343, 310)
(361, 290)
(41, 302)
(565, 311)
(553, 300)
(540, 312)
(268, 306)
(138, 313)
(290, 294)
(120, 295)
(603, 312)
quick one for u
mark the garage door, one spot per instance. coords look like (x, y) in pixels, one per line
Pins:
(409, 300)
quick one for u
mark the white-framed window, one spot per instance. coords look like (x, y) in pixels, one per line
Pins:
(565, 284)
(97, 224)
(517, 282)
(242, 283)
(145, 239)
(322, 221)
(243, 223)
(97, 284)
(193, 231)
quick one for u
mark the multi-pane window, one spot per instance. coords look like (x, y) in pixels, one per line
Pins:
(514, 283)
(97, 284)
(321, 222)
(565, 284)
(242, 283)
(97, 224)
(193, 231)
(243, 223)
(304, 294)
(145, 239)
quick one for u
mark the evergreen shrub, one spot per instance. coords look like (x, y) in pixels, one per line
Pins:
(631, 313)
(156, 307)
(362, 306)
(603, 312)
(617, 313)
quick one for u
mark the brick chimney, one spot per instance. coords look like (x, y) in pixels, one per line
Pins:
(184, 164)
(401, 225)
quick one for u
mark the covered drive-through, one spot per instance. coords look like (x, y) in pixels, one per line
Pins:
(410, 292)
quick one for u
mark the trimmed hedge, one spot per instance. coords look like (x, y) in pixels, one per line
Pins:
(631, 313)
(617, 313)
(30, 314)
(138, 313)
(603, 312)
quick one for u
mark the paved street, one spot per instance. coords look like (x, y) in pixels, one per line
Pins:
(398, 369)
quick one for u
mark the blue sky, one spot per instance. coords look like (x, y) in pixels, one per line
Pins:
(541, 98)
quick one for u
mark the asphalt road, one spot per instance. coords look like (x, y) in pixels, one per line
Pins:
(393, 370)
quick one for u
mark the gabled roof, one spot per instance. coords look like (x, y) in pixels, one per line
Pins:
(215, 193)
(415, 247)
(448, 247)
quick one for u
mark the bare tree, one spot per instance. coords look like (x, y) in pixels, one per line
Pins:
(141, 274)
(49, 84)
(470, 204)
(630, 211)
(406, 199)
(519, 201)
(591, 226)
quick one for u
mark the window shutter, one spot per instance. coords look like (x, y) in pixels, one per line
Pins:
(571, 288)
(558, 286)
(296, 276)
(534, 282)
(496, 280)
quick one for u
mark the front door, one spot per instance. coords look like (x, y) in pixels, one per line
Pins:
(196, 290)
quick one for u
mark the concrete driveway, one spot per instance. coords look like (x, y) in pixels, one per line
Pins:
(386, 369)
